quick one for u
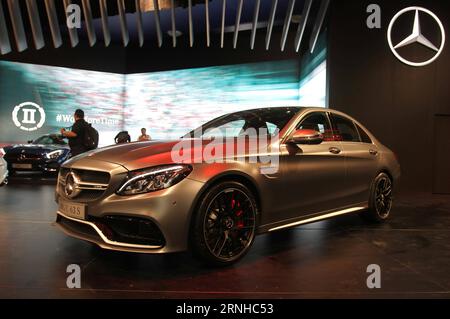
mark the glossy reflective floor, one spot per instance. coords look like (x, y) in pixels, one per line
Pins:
(322, 260)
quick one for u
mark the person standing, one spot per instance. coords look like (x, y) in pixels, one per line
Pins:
(77, 134)
(144, 137)
(122, 137)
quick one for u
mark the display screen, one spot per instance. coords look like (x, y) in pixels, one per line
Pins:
(37, 100)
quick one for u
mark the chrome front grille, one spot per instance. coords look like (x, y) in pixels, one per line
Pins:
(91, 184)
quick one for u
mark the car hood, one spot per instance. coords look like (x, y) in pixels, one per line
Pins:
(33, 148)
(140, 155)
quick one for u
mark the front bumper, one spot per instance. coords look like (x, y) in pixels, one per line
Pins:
(90, 231)
(38, 165)
(168, 210)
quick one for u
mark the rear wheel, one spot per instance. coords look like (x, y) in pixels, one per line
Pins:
(380, 201)
(225, 224)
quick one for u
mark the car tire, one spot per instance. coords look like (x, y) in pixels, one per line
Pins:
(224, 225)
(380, 200)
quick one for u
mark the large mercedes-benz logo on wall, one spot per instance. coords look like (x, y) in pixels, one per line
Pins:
(71, 188)
(416, 36)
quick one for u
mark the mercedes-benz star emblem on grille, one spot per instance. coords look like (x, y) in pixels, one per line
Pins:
(71, 188)
(416, 36)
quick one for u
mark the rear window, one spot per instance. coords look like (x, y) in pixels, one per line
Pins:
(364, 137)
(345, 129)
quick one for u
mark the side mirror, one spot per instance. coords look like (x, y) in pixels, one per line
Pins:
(30, 141)
(303, 136)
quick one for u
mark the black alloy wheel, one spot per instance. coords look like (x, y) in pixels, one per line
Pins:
(381, 199)
(225, 225)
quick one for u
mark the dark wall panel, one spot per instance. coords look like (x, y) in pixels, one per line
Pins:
(396, 102)
(441, 152)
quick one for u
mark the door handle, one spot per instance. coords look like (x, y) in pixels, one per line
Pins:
(373, 152)
(334, 150)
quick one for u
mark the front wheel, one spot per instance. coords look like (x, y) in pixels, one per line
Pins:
(224, 226)
(380, 201)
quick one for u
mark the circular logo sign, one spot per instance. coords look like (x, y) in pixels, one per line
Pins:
(28, 116)
(416, 36)
(71, 188)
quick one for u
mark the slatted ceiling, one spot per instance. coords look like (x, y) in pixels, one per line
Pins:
(105, 23)
(158, 23)
(73, 33)
(123, 23)
(53, 22)
(17, 23)
(287, 23)
(237, 23)
(35, 23)
(302, 25)
(208, 38)
(255, 24)
(318, 24)
(273, 11)
(191, 24)
(139, 25)
(5, 45)
(230, 15)
(173, 23)
(222, 27)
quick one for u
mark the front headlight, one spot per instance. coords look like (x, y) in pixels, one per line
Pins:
(153, 179)
(54, 154)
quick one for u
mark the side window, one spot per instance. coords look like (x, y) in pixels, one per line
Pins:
(345, 129)
(364, 137)
(229, 129)
(272, 128)
(315, 121)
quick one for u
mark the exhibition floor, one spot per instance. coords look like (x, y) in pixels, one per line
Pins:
(321, 260)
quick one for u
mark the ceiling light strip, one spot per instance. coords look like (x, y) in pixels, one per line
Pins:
(139, 24)
(173, 21)
(35, 22)
(5, 45)
(302, 25)
(87, 11)
(222, 29)
(238, 21)
(255, 24)
(105, 25)
(191, 26)
(318, 24)
(73, 34)
(208, 39)
(17, 23)
(123, 22)
(271, 21)
(287, 23)
(157, 22)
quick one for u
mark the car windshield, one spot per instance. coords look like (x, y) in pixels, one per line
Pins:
(267, 121)
(49, 140)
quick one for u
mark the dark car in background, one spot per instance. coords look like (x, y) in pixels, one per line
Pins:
(45, 155)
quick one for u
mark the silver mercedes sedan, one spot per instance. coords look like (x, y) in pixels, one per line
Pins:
(237, 176)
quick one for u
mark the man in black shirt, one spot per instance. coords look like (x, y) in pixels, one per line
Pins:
(76, 135)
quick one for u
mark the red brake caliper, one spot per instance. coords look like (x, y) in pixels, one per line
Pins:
(239, 213)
